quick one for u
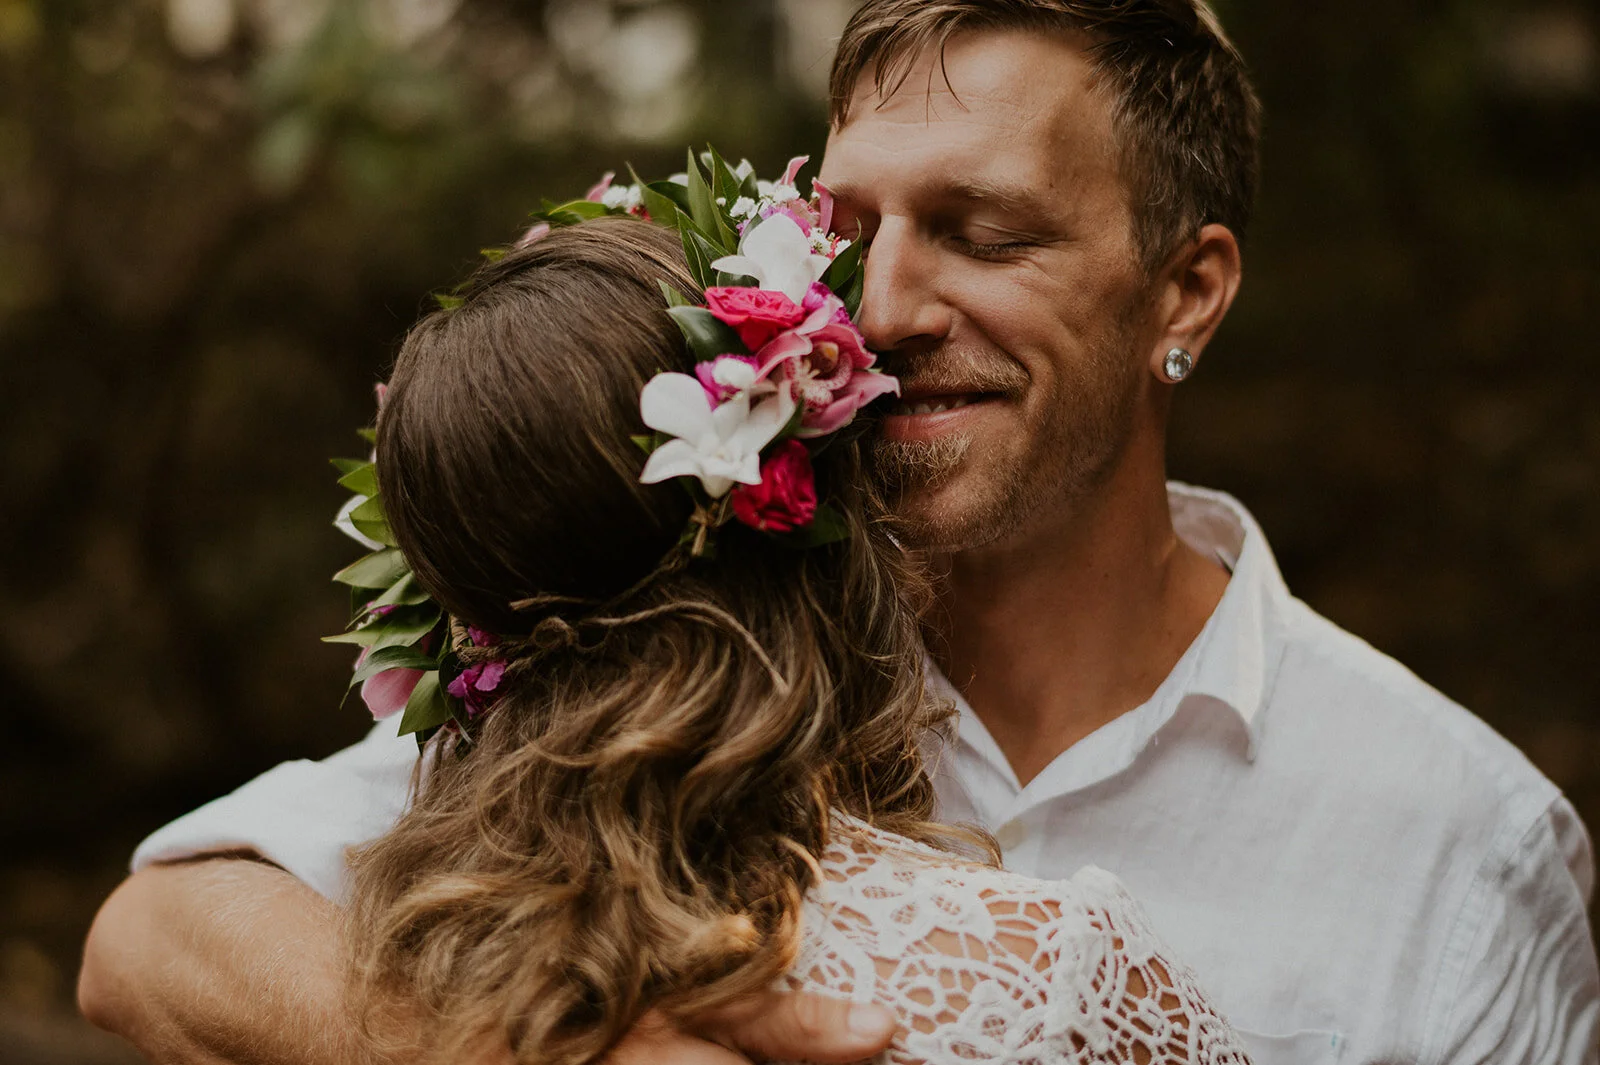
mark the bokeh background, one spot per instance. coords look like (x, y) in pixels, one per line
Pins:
(218, 217)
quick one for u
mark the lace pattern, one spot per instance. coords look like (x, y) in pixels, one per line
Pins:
(983, 965)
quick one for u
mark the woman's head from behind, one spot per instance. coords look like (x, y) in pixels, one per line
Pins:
(634, 822)
(504, 450)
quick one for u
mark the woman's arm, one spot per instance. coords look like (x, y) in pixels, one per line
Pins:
(231, 961)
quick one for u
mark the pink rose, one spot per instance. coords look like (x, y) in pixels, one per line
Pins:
(386, 693)
(786, 498)
(756, 314)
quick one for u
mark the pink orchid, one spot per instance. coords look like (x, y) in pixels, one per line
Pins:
(597, 193)
(386, 693)
(826, 363)
(793, 169)
(536, 232)
(824, 205)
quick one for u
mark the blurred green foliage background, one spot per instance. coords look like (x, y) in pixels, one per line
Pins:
(218, 217)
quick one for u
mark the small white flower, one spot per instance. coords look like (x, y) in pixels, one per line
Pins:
(778, 255)
(744, 169)
(679, 179)
(743, 207)
(784, 193)
(624, 196)
(722, 201)
(719, 445)
(764, 188)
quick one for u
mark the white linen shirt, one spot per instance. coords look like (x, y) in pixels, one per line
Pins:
(1359, 870)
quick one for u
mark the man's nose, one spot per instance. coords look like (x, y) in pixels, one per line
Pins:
(899, 301)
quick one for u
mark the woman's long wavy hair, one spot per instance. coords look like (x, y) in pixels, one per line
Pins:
(642, 811)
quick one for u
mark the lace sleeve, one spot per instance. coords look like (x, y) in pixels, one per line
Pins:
(986, 966)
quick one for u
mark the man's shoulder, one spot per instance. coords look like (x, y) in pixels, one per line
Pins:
(1398, 738)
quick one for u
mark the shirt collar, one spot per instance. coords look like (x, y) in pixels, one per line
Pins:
(1229, 667)
(1238, 650)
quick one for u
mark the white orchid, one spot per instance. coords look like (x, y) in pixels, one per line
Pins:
(720, 445)
(779, 255)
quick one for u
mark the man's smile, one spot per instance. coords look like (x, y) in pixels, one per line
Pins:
(920, 415)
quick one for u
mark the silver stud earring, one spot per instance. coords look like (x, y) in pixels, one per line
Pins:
(1177, 365)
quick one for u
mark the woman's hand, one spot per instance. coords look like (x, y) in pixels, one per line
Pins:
(796, 1027)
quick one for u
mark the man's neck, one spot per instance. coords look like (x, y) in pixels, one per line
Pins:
(1054, 634)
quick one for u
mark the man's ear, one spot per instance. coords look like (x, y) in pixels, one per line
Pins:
(1198, 286)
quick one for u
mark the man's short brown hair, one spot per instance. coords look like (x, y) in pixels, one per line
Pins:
(1184, 111)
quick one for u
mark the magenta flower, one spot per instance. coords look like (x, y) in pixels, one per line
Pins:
(475, 684)
(786, 498)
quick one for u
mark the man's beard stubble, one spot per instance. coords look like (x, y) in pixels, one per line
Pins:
(1070, 454)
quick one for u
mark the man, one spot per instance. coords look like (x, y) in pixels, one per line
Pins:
(1360, 871)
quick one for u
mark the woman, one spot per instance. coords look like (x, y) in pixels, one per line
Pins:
(700, 775)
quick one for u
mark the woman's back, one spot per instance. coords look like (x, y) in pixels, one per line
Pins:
(986, 965)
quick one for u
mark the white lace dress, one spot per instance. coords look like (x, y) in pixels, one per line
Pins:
(983, 965)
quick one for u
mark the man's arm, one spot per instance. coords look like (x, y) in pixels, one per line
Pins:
(230, 961)
(1528, 986)
(220, 960)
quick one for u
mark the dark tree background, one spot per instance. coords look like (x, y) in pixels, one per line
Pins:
(218, 217)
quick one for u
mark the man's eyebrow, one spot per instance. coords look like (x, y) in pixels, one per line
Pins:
(1019, 199)
(1015, 198)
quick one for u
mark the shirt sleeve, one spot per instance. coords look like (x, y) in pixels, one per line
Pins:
(302, 815)
(1529, 987)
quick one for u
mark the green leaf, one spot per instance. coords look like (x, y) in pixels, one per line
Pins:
(369, 519)
(670, 190)
(828, 526)
(851, 295)
(843, 269)
(377, 570)
(699, 262)
(583, 209)
(427, 707)
(494, 255)
(363, 480)
(399, 629)
(707, 252)
(447, 301)
(708, 336)
(705, 213)
(345, 466)
(673, 297)
(403, 592)
(749, 187)
(663, 211)
(723, 184)
(369, 435)
(387, 658)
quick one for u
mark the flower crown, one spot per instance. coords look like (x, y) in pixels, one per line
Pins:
(780, 365)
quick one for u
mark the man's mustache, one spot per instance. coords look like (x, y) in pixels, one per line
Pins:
(952, 370)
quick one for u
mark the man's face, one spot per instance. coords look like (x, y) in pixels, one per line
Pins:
(1002, 283)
